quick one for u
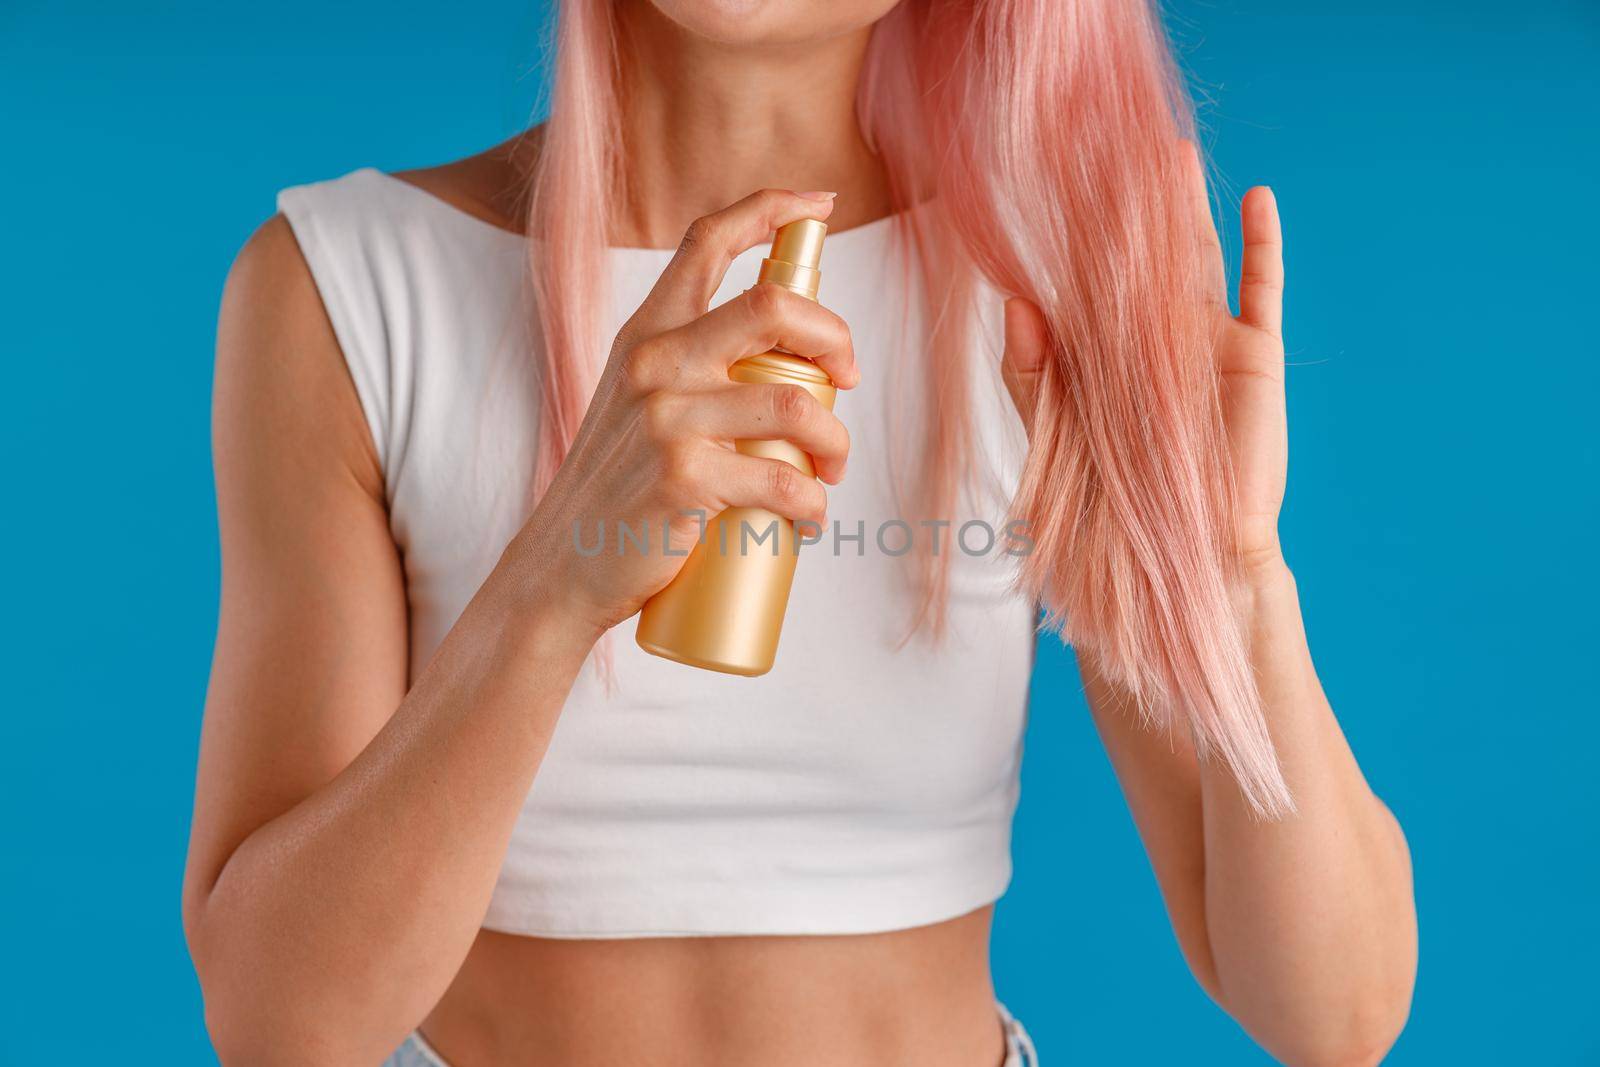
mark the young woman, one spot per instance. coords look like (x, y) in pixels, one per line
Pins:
(425, 830)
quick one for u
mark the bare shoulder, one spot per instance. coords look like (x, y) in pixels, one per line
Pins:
(269, 285)
(282, 387)
(281, 378)
(491, 185)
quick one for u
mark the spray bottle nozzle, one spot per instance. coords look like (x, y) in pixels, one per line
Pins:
(796, 254)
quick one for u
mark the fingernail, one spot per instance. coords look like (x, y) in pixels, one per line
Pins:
(817, 196)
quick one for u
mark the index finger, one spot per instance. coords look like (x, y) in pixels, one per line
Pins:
(684, 290)
(765, 317)
(1261, 273)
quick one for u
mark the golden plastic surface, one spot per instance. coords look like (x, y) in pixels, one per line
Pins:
(724, 611)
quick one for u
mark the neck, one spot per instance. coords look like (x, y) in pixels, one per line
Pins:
(706, 124)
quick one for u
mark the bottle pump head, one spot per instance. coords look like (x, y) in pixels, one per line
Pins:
(796, 255)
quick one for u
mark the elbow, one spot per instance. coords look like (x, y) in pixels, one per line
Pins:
(226, 1025)
(253, 1035)
(1361, 1038)
(246, 1046)
(235, 1037)
(249, 1024)
(1356, 1023)
(1352, 1027)
(237, 1032)
(1356, 1055)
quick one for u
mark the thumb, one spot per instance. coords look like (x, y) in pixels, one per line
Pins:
(1026, 343)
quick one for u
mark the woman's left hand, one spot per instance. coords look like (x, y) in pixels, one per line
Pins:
(1248, 349)
(1303, 929)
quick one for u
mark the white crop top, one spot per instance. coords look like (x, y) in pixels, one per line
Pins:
(866, 783)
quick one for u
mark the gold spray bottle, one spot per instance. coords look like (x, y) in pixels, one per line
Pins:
(725, 608)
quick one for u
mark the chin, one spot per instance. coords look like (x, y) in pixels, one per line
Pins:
(771, 22)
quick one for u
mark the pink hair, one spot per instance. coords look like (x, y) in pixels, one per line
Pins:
(1042, 145)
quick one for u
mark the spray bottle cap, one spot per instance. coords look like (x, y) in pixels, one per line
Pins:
(796, 254)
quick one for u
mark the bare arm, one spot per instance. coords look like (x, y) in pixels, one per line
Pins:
(1304, 930)
(347, 832)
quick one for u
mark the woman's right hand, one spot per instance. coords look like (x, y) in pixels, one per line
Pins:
(309, 829)
(656, 446)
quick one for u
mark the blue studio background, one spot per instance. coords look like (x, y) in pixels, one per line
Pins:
(1436, 166)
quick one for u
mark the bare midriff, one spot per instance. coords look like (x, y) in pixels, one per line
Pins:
(920, 996)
